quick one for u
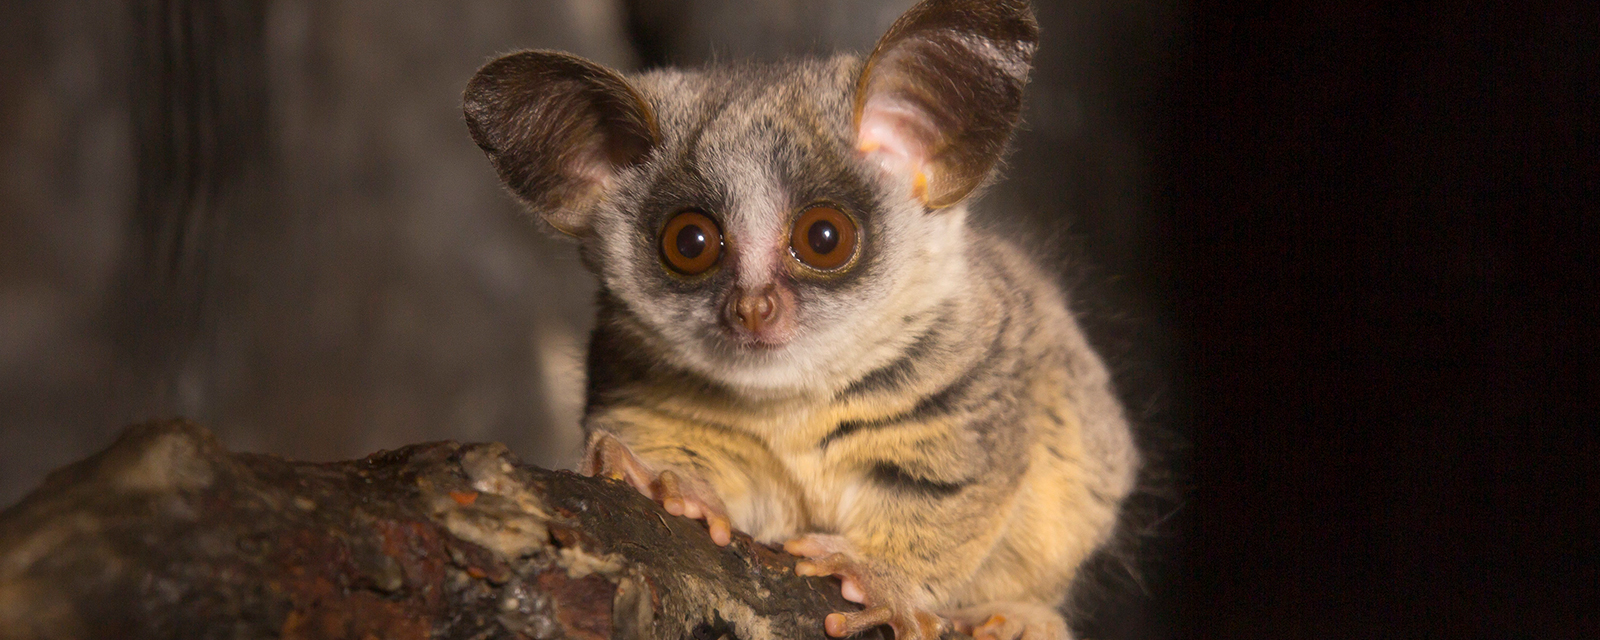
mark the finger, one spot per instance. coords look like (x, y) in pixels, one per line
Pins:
(721, 530)
(851, 590)
(593, 462)
(846, 623)
(610, 458)
(670, 492)
(824, 566)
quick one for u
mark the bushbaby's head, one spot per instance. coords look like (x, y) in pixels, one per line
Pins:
(772, 226)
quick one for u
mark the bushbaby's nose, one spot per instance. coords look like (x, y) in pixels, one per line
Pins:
(755, 310)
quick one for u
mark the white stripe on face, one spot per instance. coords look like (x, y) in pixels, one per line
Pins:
(758, 222)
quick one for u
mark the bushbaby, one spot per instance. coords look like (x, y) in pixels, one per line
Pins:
(800, 336)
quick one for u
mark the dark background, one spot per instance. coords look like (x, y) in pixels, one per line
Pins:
(1384, 231)
(1341, 258)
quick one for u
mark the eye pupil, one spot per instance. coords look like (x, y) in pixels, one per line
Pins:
(691, 241)
(823, 237)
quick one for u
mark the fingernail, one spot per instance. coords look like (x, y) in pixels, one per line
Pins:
(834, 623)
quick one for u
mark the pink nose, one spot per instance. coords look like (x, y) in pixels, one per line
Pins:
(755, 310)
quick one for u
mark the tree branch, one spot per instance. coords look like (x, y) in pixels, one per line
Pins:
(167, 535)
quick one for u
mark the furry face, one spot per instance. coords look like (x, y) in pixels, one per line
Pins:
(688, 189)
(753, 149)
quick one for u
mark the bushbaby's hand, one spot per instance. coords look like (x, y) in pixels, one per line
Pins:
(1011, 621)
(889, 601)
(681, 493)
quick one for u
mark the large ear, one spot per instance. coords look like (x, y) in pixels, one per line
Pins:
(941, 92)
(558, 128)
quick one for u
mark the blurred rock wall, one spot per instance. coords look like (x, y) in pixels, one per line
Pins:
(267, 215)
(356, 278)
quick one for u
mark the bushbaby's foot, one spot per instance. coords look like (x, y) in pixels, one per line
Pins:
(888, 600)
(680, 493)
(1011, 621)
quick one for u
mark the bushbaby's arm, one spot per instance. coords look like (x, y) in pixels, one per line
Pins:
(912, 535)
(696, 469)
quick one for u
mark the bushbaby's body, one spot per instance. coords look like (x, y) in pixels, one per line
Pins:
(800, 335)
(985, 438)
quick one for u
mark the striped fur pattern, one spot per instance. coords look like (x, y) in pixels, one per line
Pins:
(935, 406)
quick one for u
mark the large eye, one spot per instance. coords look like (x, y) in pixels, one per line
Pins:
(824, 238)
(691, 243)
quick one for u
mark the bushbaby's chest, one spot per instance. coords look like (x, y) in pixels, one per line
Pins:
(827, 484)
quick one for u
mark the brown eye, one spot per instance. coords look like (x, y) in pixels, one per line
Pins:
(824, 238)
(691, 243)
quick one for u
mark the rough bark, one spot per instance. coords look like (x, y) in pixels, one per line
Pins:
(167, 535)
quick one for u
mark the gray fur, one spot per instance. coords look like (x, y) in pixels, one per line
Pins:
(935, 405)
(750, 145)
